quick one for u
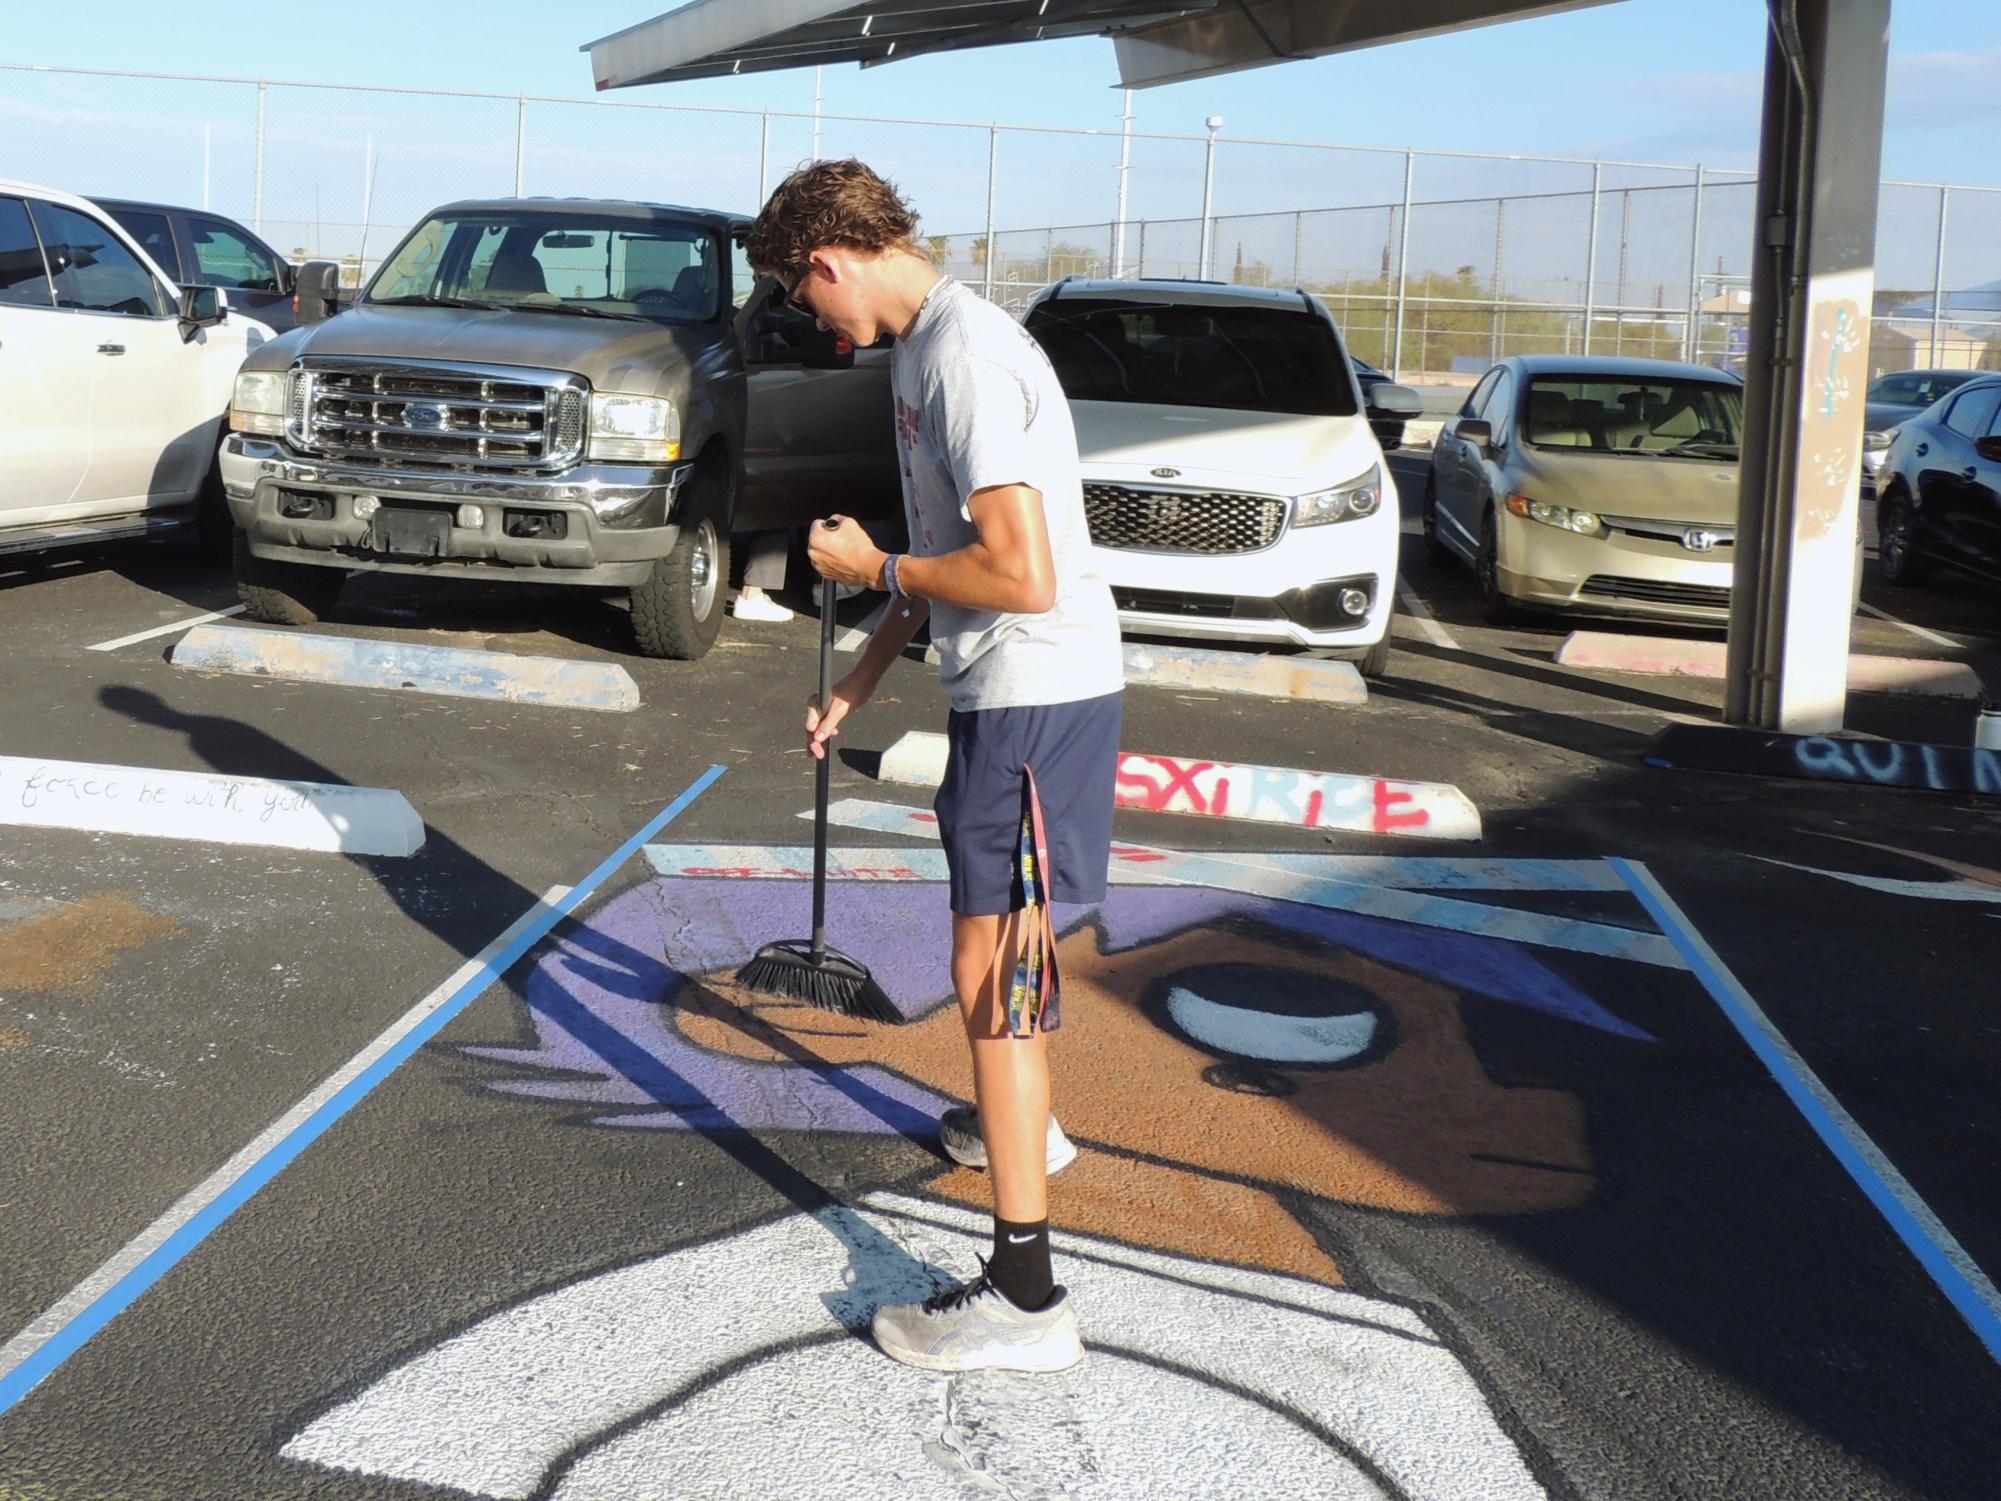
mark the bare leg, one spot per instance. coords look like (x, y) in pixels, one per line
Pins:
(1010, 1074)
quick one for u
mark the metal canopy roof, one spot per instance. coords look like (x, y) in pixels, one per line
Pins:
(1155, 42)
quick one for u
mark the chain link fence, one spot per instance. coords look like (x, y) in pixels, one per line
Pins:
(1434, 264)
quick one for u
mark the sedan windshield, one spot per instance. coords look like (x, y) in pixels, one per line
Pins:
(654, 270)
(1254, 359)
(1690, 419)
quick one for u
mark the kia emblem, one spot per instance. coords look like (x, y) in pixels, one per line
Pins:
(1166, 473)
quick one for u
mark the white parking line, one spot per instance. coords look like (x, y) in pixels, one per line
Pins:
(1916, 630)
(168, 630)
(857, 637)
(1426, 621)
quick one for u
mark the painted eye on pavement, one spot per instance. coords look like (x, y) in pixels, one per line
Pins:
(1275, 1016)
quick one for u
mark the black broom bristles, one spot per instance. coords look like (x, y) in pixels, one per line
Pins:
(791, 970)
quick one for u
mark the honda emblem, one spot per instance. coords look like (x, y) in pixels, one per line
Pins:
(1699, 539)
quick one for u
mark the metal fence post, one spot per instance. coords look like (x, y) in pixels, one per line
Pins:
(1215, 123)
(1298, 249)
(1692, 336)
(1125, 167)
(257, 202)
(1591, 258)
(520, 145)
(1500, 252)
(1140, 268)
(1938, 273)
(763, 157)
(993, 170)
(1403, 266)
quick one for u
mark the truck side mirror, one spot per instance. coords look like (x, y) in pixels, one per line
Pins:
(314, 291)
(201, 307)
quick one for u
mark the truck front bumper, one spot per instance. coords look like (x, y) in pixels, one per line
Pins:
(597, 524)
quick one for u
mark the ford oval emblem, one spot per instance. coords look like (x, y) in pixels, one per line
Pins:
(419, 416)
(1165, 473)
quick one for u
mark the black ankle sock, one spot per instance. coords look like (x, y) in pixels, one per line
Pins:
(1020, 1267)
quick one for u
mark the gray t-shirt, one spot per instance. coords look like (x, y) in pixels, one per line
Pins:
(977, 405)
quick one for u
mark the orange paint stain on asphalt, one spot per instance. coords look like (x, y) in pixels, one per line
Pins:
(71, 947)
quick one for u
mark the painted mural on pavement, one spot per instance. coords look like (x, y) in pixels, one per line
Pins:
(1227, 1054)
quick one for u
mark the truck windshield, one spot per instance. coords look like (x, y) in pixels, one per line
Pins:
(1684, 419)
(1257, 359)
(659, 270)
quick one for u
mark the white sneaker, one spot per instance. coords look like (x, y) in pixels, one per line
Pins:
(760, 606)
(975, 1328)
(959, 1134)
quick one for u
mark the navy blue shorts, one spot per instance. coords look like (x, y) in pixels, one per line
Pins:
(1073, 750)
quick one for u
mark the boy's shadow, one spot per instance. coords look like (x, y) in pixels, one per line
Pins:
(233, 748)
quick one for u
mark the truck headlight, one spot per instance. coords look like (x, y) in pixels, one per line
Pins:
(643, 429)
(1359, 497)
(1563, 518)
(257, 405)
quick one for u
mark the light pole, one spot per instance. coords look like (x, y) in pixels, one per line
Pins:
(1215, 123)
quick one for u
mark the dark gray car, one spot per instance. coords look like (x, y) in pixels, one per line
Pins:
(201, 249)
(564, 391)
(1892, 401)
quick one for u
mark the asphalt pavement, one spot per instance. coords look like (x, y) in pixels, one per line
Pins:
(1643, 1148)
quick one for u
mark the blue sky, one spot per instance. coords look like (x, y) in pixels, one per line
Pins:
(1653, 80)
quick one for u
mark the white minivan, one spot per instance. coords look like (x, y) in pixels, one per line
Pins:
(113, 381)
(1234, 487)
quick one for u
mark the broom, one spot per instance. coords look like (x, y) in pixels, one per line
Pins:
(799, 969)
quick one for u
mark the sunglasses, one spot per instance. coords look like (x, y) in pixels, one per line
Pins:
(794, 301)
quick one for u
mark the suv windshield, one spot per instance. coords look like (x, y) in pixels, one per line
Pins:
(1682, 418)
(1257, 359)
(658, 270)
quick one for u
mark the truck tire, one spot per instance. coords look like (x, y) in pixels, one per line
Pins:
(283, 593)
(677, 612)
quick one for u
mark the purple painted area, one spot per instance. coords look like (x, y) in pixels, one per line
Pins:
(617, 978)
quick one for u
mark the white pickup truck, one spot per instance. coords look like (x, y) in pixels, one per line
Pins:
(114, 382)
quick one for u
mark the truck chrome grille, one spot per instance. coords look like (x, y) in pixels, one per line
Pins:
(1209, 522)
(413, 414)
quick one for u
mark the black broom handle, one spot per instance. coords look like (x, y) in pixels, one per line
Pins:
(822, 770)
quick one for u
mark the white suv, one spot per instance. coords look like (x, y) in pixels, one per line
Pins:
(1234, 488)
(113, 381)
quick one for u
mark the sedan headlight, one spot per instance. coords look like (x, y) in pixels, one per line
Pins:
(1359, 497)
(1878, 439)
(1563, 518)
(643, 429)
(258, 403)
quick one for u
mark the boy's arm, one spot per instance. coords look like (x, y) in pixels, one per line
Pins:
(1009, 568)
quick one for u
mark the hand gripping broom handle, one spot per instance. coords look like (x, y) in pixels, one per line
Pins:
(822, 770)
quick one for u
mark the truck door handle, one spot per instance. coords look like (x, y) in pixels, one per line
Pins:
(111, 349)
(1923, 449)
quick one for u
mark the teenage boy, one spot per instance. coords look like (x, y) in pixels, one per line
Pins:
(1028, 645)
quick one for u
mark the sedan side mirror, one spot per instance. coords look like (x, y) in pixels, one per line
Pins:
(1475, 430)
(1387, 399)
(201, 307)
(1988, 449)
(314, 291)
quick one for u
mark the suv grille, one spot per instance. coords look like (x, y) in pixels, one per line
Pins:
(1182, 521)
(438, 416)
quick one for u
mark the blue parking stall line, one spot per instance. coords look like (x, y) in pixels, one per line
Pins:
(35, 1354)
(1945, 1261)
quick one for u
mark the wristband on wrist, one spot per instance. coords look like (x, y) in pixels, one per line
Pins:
(889, 578)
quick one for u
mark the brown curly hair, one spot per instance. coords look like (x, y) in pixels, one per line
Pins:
(828, 203)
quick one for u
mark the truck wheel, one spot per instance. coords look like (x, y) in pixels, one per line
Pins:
(678, 612)
(283, 593)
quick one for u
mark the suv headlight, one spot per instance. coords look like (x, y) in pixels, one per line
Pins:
(257, 405)
(1563, 518)
(1359, 497)
(645, 429)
